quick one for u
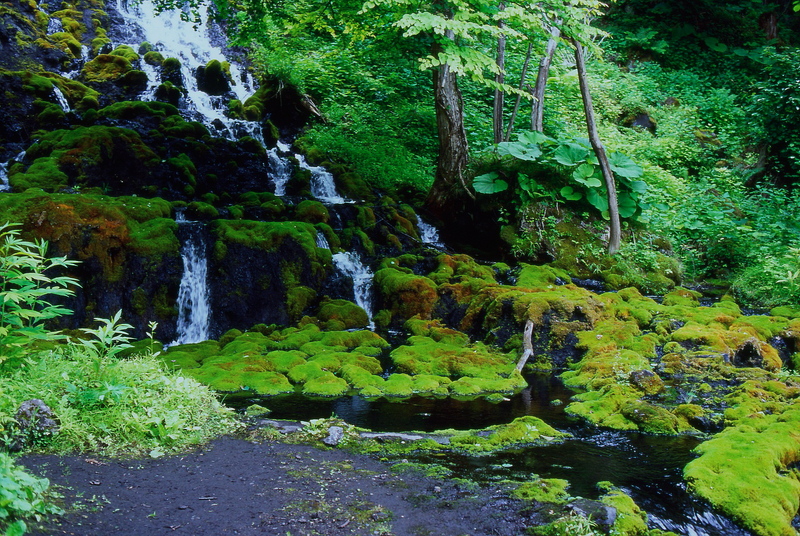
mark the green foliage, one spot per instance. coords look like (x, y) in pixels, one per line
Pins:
(574, 162)
(25, 288)
(22, 496)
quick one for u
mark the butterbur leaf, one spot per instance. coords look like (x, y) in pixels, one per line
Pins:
(585, 174)
(489, 183)
(597, 199)
(534, 137)
(571, 154)
(568, 193)
(519, 150)
(639, 187)
(627, 205)
(623, 166)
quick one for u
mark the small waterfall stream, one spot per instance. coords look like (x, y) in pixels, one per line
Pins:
(322, 185)
(349, 264)
(194, 309)
(280, 168)
(428, 234)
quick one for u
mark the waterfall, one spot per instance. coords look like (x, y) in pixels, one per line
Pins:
(428, 234)
(322, 185)
(61, 99)
(349, 264)
(322, 242)
(194, 311)
(54, 25)
(192, 46)
(280, 169)
(4, 185)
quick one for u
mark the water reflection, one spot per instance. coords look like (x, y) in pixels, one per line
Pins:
(647, 467)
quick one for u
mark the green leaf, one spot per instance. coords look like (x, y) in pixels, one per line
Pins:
(519, 150)
(714, 44)
(585, 174)
(626, 204)
(571, 154)
(534, 137)
(623, 166)
(17, 528)
(568, 193)
(597, 199)
(489, 183)
(639, 187)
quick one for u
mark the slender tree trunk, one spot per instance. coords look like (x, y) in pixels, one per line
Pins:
(519, 97)
(453, 147)
(599, 150)
(499, 96)
(537, 114)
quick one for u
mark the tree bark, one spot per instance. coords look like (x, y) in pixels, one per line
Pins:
(517, 102)
(537, 114)
(499, 96)
(453, 147)
(591, 125)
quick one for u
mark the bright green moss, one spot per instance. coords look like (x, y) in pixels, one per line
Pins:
(531, 276)
(521, 431)
(543, 490)
(325, 385)
(298, 299)
(305, 372)
(284, 360)
(631, 520)
(398, 385)
(743, 472)
(312, 211)
(348, 314)
(267, 383)
(105, 68)
(406, 295)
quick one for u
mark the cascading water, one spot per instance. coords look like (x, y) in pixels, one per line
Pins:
(4, 185)
(322, 185)
(349, 264)
(192, 46)
(194, 309)
(322, 242)
(280, 168)
(428, 234)
(61, 99)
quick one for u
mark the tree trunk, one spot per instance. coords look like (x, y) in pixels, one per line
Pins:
(499, 96)
(599, 150)
(453, 147)
(537, 114)
(519, 97)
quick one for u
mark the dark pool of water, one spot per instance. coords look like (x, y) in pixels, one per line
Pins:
(647, 467)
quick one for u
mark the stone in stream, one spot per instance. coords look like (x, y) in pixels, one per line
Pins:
(335, 435)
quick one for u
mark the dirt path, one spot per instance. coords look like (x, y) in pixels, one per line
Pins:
(239, 487)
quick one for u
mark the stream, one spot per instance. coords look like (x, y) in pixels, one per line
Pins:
(647, 467)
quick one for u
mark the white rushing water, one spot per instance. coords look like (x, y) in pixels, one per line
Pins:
(349, 264)
(322, 242)
(194, 308)
(192, 46)
(4, 185)
(322, 185)
(280, 169)
(61, 99)
(428, 234)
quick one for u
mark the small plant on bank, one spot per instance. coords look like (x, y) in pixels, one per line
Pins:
(22, 496)
(25, 287)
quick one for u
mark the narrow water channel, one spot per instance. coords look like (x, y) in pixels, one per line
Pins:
(646, 467)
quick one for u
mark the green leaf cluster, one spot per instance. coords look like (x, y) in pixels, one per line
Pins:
(22, 496)
(25, 289)
(574, 161)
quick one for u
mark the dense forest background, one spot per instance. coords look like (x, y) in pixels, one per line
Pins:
(701, 95)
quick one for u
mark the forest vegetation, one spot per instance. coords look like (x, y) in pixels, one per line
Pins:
(634, 229)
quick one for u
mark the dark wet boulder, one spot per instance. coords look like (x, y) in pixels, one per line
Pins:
(34, 421)
(212, 78)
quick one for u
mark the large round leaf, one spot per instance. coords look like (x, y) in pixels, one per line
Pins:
(623, 166)
(597, 199)
(585, 174)
(519, 150)
(568, 193)
(489, 183)
(626, 204)
(570, 154)
(534, 137)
